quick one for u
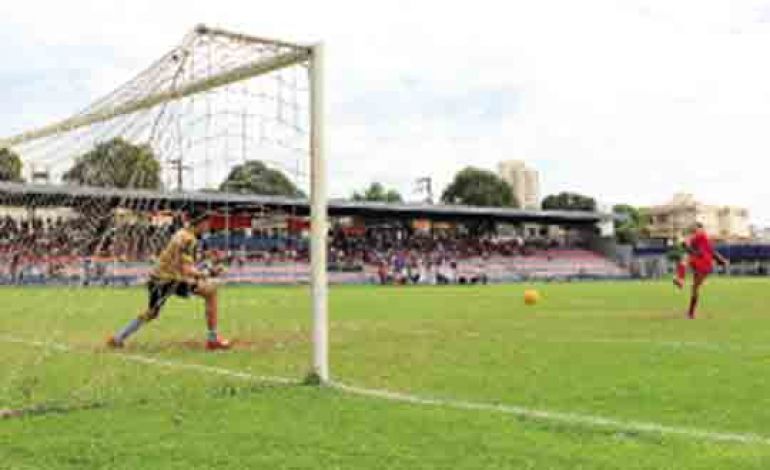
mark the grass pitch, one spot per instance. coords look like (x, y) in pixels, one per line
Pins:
(601, 375)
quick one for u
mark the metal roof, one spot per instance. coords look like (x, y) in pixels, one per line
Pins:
(52, 195)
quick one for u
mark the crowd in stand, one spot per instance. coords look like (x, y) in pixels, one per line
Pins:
(80, 236)
(374, 245)
(405, 256)
(45, 245)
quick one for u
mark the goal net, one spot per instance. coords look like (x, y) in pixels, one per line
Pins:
(225, 123)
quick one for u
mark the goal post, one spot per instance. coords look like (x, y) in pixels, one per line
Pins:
(209, 76)
(318, 218)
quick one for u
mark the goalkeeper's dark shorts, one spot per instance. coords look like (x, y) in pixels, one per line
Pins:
(160, 290)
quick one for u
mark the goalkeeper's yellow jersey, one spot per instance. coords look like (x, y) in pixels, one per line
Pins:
(179, 251)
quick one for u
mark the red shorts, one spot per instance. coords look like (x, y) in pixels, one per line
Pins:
(702, 265)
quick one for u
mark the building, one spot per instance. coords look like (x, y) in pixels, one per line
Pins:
(525, 182)
(39, 174)
(760, 234)
(673, 219)
(607, 226)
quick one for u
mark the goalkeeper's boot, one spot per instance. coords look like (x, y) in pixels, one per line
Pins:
(217, 344)
(114, 343)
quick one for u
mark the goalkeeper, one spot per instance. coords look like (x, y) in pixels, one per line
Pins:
(177, 274)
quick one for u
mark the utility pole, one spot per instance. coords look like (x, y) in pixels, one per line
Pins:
(425, 185)
(179, 167)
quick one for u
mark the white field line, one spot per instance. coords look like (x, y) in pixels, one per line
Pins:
(559, 417)
(590, 421)
(161, 362)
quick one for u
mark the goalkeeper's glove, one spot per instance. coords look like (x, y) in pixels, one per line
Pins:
(209, 269)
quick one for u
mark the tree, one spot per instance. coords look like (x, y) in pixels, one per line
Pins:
(10, 166)
(377, 192)
(477, 187)
(566, 201)
(630, 223)
(254, 177)
(116, 163)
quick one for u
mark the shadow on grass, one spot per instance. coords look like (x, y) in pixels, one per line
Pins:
(48, 409)
(264, 344)
(222, 391)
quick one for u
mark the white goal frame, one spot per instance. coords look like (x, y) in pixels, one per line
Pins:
(311, 55)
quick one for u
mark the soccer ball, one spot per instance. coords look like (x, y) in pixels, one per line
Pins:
(531, 296)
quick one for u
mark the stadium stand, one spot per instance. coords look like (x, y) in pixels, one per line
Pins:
(38, 251)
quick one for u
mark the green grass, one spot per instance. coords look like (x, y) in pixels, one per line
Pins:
(615, 350)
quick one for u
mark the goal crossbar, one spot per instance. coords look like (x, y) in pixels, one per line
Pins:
(248, 38)
(261, 67)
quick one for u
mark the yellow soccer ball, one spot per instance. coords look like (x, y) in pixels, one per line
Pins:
(531, 296)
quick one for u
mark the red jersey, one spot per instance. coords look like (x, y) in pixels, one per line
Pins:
(701, 245)
(702, 257)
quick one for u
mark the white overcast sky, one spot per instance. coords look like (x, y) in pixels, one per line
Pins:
(628, 100)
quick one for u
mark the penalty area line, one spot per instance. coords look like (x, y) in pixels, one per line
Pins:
(588, 421)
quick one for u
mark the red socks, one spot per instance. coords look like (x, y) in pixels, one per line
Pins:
(693, 304)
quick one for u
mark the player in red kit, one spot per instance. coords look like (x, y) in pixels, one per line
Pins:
(700, 256)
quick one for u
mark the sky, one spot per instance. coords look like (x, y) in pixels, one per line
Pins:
(628, 101)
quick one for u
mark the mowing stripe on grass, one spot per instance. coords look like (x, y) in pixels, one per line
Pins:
(518, 411)
(704, 345)
(720, 347)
